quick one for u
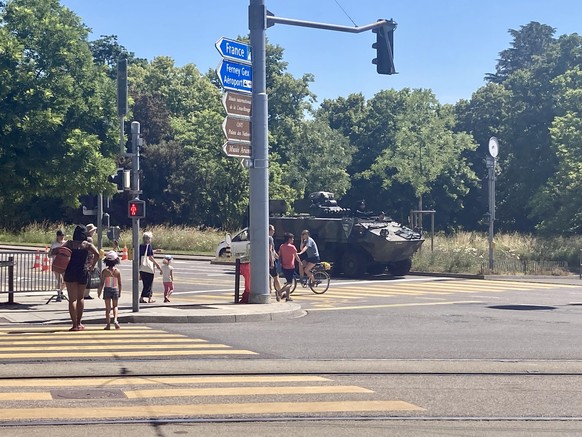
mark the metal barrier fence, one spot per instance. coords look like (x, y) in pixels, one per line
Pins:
(527, 267)
(30, 272)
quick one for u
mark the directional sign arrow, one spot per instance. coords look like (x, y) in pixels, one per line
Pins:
(235, 50)
(237, 129)
(237, 150)
(237, 104)
(235, 76)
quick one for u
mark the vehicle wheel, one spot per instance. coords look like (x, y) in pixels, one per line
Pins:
(376, 268)
(400, 268)
(222, 253)
(354, 264)
(321, 283)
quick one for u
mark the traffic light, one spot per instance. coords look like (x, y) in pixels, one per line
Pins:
(121, 179)
(117, 179)
(136, 209)
(384, 46)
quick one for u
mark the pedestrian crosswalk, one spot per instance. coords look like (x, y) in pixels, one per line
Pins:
(122, 397)
(350, 295)
(57, 342)
(344, 292)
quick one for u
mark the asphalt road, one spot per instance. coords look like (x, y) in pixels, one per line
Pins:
(413, 356)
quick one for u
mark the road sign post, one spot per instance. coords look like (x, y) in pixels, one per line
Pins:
(232, 49)
(259, 20)
(237, 104)
(237, 129)
(235, 76)
(237, 150)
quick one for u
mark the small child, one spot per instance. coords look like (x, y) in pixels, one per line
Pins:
(111, 280)
(167, 277)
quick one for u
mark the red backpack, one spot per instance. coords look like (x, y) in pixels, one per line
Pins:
(61, 260)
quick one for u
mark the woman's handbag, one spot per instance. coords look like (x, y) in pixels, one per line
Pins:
(146, 265)
(94, 279)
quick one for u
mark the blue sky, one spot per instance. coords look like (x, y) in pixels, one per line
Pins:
(447, 46)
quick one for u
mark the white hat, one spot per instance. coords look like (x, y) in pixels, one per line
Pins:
(111, 255)
(168, 256)
(91, 228)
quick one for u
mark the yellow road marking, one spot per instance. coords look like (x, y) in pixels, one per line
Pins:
(107, 341)
(35, 329)
(181, 410)
(25, 396)
(92, 335)
(395, 305)
(118, 354)
(116, 347)
(138, 380)
(245, 391)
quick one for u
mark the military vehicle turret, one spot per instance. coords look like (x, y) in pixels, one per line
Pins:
(356, 241)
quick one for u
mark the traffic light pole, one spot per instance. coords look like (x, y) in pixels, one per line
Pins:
(135, 191)
(259, 20)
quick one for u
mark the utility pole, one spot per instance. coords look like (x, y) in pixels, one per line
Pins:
(491, 164)
(259, 20)
(135, 191)
(259, 171)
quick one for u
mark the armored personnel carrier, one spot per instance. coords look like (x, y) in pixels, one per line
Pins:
(354, 240)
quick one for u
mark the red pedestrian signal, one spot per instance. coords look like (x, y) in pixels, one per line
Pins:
(136, 209)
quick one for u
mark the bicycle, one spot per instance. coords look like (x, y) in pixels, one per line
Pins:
(319, 285)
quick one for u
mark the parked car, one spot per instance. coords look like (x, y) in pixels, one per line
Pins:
(239, 245)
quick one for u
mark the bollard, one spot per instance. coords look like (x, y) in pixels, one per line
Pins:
(245, 271)
(237, 281)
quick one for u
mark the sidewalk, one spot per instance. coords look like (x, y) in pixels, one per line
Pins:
(32, 308)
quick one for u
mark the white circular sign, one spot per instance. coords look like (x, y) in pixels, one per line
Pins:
(493, 147)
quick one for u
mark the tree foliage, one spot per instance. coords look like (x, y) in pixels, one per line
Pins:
(399, 150)
(55, 104)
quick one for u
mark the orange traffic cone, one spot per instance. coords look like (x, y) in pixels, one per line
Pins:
(46, 263)
(124, 256)
(36, 260)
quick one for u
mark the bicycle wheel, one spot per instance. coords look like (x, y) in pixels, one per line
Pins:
(293, 285)
(321, 283)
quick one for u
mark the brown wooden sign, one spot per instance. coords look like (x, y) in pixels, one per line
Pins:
(237, 150)
(237, 103)
(237, 129)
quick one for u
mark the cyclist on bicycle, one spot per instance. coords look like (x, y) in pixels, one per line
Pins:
(309, 255)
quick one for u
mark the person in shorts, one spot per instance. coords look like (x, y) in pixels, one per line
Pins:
(309, 255)
(287, 256)
(111, 288)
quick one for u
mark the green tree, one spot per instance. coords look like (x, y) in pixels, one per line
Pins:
(56, 108)
(424, 150)
(529, 43)
(527, 159)
(557, 206)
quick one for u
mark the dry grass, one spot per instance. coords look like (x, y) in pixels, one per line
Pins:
(463, 252)
(175, 239)
(468, 252)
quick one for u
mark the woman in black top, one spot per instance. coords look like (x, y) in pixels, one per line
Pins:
(75, 276)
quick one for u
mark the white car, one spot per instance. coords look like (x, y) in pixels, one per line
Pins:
(239, 245)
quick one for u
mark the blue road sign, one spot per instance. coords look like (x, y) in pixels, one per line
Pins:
(234, 50)
(235, 76)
